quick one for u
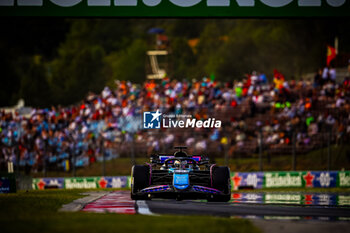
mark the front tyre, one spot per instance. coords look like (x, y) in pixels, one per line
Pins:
(139, 180)
(221, 181)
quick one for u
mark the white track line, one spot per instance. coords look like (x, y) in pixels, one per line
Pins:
(143, 208)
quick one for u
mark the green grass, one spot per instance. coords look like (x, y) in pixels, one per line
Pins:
(315, 160)
(36, 211)
(119, 166)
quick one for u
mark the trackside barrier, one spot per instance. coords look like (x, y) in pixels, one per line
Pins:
(82, 182)
(256, 180)
(7, 183)
(283, 179)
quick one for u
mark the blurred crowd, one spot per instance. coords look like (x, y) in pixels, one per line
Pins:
(275, 115)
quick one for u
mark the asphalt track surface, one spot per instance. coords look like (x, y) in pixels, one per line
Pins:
(120, 202)
(270, 218)
(235, 209)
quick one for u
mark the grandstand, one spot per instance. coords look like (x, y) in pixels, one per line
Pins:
(289, 117)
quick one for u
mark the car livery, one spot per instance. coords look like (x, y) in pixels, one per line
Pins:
(180, 176)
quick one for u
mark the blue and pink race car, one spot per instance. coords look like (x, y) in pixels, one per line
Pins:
(180, 176)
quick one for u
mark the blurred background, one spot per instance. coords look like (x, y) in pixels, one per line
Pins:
(73, 92)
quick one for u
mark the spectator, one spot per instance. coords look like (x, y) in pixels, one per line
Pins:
(111, 121)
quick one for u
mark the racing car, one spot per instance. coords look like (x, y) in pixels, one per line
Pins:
(180, 176)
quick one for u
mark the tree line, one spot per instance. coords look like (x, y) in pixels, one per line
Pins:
(57, 61)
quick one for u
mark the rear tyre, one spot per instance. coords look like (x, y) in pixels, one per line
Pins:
(222, 182)
(139, 180)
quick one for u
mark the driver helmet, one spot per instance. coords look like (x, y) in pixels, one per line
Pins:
(177, 163)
